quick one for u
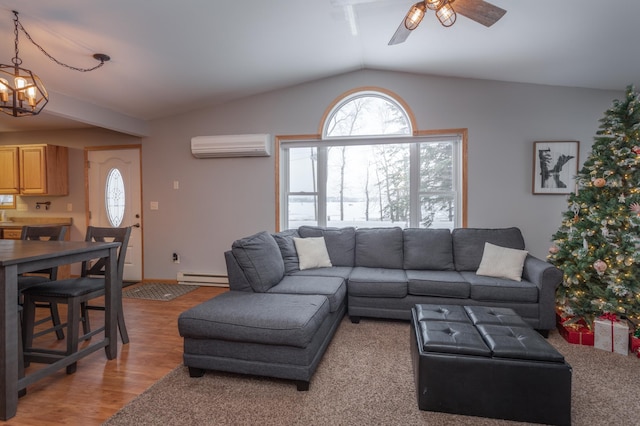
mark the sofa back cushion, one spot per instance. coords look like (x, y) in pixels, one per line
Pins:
(428, 249)
(379, 247)
(259, 257)
(288, 249)
(468, 244)
(340, 242)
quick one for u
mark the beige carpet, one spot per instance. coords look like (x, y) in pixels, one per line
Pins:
(365, 378)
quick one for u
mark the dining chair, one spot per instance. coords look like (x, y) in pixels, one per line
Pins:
(43, 233)
(76, 294)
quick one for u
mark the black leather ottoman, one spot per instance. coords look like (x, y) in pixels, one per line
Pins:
(487, 362)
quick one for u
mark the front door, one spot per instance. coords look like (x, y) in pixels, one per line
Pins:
(114, 191)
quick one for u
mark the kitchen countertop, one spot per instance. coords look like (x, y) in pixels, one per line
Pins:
(19, 222)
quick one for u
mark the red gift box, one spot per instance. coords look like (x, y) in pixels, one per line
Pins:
(634, 345)
(577, 333)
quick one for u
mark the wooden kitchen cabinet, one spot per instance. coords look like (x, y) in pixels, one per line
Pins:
(40, 170)
(9, 170)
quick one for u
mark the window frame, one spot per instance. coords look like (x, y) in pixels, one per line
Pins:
(283, 142)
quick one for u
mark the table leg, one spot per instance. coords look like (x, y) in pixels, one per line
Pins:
(113, 292)
(9, 345)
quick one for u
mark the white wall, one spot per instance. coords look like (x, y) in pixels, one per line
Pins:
(221, 200)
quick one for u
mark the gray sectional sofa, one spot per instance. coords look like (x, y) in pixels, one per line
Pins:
(280, 313)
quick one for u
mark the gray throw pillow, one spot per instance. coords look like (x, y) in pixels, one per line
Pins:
(468, 244)
(428, 249)
(379, 247)
(259, 257)
(288, 249)
(340, 242)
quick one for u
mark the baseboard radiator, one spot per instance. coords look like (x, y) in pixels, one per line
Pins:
(203, 278)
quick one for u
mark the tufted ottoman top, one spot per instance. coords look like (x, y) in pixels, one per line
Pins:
(480, 331)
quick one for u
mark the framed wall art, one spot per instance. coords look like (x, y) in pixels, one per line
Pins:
(555, 166)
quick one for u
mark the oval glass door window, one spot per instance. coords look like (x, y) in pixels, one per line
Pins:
(114, 197)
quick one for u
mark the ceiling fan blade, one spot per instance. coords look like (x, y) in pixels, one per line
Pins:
(400, 35)
(478, 10)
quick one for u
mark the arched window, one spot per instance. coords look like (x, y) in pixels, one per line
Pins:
(371, 168)
(366, 113)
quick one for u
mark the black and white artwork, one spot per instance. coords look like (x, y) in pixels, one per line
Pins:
(555, 165)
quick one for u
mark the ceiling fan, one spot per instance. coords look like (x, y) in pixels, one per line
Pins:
(477, 10)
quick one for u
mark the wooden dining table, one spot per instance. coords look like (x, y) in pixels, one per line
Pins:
(17, 257)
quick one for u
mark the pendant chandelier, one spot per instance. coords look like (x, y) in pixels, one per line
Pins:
(22, 93)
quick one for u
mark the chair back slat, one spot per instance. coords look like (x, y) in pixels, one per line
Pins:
(44, 233)
(104, 234)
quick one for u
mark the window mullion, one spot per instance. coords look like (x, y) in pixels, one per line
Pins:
(322, 186)
(414, 185)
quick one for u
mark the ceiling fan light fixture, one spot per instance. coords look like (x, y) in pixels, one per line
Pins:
(446, 15)
(415, 15)
(435, 4)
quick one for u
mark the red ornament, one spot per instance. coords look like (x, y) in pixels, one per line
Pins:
(636, 149)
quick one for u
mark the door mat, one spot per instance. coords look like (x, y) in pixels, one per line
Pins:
(158, 291)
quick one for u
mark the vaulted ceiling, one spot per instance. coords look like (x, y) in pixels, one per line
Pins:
(173, 56)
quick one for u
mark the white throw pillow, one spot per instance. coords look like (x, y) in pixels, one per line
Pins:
(312, 253)
(502, 262)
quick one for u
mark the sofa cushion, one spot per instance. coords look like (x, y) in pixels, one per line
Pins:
(502, 262)
(288, 249)
(379, 247)
(377, 282)
(437, 283)
(312, 253)
(500, 289)
(259, 257)
(335, 271)
(468, 244)
(275, 319)
(430, 249)
(334, 288)
(340, 242)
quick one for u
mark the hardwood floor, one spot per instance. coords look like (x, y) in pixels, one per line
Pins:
(101, 387)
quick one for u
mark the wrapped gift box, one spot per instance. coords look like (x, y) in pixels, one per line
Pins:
(634, 345)
(611, 335)
(577, 333)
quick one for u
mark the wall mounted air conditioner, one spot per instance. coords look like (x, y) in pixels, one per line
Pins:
(255, 145)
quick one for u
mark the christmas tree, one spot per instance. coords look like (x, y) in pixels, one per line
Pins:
(598, 244)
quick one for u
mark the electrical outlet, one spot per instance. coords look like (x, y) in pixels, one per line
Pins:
(176, 258)
(69, 207)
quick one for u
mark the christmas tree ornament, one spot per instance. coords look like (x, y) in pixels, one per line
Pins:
(599, 182)
(553, 249)
(635, 208)
(600, 266)
(636, 149)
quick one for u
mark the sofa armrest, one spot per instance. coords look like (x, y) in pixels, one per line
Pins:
(237, 279)
(547, 277)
